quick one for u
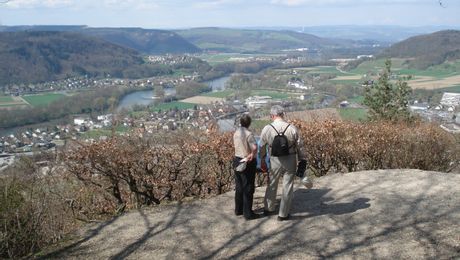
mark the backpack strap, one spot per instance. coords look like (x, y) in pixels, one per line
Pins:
(286, 128)
(276, 130)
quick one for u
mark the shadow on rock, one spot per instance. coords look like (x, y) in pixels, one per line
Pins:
(315, 203)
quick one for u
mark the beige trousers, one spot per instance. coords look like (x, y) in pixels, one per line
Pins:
(286, 166)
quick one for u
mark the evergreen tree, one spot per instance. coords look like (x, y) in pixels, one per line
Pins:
(387, 100)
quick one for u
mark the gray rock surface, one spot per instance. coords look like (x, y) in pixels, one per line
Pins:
(383, 214)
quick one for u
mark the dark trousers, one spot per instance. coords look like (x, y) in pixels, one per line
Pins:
(244, 188)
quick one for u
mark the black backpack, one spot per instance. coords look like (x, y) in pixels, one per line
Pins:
(280, 145)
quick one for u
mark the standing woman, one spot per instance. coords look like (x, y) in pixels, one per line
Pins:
(244, 164)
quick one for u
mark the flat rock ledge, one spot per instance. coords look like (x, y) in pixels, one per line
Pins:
(385, 214)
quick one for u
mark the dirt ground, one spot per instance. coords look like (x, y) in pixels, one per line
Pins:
(203, 100)
(385, 214)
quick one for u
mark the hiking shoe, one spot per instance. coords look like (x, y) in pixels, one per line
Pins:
(269, 213)
(284, 218)
(307, 182)
(253, 216)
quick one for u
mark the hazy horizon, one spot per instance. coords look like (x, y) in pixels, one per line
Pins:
(175, 14)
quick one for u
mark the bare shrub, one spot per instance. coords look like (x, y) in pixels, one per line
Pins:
(346, 146)
(32, 211)
(143, 171)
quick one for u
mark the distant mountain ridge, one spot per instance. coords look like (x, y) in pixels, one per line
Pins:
(245, 40)
(147, 41)
(378, 33)
(427, 50)
(30, 57)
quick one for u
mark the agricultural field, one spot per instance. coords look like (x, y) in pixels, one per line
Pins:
(454, 89)
(202, 100)
(6, 99)
(7, 102)
(441, 76)
(314, 115)
(330, 70)
(42, 99)
(425, 82)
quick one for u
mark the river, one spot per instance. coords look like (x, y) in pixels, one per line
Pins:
(145, 97)
(141, 97)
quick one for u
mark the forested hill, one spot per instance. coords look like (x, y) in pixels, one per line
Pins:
(29, 57)
(427, 50)
(239, 40)
(147, 41)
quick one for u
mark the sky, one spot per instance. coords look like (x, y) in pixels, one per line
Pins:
(173, 14)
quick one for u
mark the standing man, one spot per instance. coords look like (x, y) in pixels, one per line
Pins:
(285, 147)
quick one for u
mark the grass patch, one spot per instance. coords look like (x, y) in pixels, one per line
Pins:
(444, 70)
(42, 99)
(453, 89)
(13, 105)
(172, 105)
(272, 94)
(327, 70)
(4, 99)
(219, 94)
(357, 99)
(138, 114)
(346, 81)
(353, 114)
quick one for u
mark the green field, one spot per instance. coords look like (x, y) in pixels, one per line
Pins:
(328, 70)
(219, 94)
(353, 114)
(12, 105)
(42, 99)
(273, 94)
(138, 114)
(346, 81)
(4, 99)
(96, 133)
(358, 99)
(454, 89)
(171, 105)
(444, 70)
(373, 66)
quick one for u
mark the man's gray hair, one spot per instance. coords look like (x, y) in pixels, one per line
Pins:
(277, 110)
